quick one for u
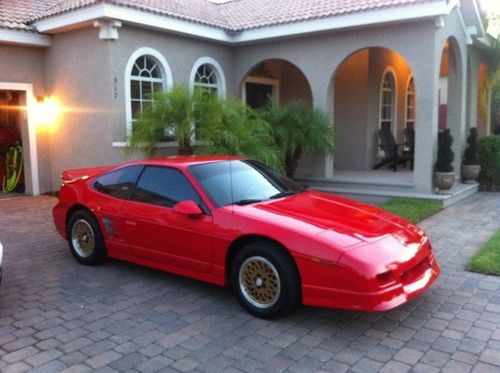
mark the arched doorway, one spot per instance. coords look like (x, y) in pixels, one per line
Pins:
(451, 113)
(275, 79)
(373, 87)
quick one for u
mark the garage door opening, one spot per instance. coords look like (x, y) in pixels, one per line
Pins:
(12, 115)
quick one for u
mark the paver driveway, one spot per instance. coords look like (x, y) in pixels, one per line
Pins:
(56, 314)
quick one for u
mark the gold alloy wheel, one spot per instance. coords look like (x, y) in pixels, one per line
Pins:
(259, 282)
(82, 238)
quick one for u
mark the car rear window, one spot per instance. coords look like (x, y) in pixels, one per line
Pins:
(119, 183)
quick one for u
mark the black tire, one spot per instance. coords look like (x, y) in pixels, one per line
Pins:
(85, 238)
(265, 280)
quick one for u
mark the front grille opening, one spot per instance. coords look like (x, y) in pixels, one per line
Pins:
(386, 278)
(415, 272)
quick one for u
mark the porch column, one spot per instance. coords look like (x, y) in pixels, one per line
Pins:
(472, 90)
(426, 76)
(322, 94)
(456, 104)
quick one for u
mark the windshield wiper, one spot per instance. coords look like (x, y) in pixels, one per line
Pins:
(285, 193)
(242, 202)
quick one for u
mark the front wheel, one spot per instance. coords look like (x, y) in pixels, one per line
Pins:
(265, 280)
(85, 238)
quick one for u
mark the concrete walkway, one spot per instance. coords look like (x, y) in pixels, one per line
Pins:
(58, 315)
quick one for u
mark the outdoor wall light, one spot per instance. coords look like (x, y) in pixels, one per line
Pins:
(46, 111)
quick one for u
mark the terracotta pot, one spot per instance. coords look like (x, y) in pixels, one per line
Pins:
(470, 172)
(444, 180)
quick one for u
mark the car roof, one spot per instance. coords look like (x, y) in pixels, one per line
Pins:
(186, 161)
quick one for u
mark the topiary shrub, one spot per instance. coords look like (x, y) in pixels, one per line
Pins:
(445, 155)
(489, 156)
(471, 154)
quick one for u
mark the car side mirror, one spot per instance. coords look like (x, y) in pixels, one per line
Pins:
(188, 208)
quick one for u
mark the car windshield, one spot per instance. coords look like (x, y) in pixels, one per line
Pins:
(242, 182)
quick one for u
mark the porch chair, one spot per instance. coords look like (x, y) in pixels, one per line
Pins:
(390, 149)
(409, 138)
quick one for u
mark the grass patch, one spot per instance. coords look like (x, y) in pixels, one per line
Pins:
(487, 259)
(412, 209)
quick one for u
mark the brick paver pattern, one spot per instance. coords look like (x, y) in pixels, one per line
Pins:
(58, 315)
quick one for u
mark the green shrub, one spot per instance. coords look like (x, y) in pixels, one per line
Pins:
(489, 156)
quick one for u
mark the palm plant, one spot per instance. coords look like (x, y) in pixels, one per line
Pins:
(233, 128)
(223, 127)
(298, 130)
(171, 112)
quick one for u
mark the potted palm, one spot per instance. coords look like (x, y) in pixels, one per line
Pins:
(444, 177)
(471, 165)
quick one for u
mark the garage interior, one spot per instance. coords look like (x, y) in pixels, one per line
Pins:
(11, 166)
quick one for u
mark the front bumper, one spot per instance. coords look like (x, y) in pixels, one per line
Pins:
(409, 285)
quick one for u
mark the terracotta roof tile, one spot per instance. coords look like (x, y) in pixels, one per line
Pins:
(233, 15)
(15, 14)
(245, 14)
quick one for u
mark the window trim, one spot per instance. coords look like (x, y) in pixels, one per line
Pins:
(273, 83)
(394, 109)
(165, 70)
(410, 79)
(219, 72)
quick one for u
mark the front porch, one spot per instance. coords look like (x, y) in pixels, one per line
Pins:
(380, 185)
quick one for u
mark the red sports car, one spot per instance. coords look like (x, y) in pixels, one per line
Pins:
(229, 220)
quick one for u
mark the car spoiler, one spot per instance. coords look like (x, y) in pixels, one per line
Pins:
(70, 176)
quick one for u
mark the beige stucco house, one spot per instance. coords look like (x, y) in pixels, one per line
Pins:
(404, 62)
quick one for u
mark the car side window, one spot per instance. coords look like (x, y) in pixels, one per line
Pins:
(119, 183)
(164, 186)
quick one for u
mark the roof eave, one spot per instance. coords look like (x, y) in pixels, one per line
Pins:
(24, 38)
(346, 21)
(85, 16)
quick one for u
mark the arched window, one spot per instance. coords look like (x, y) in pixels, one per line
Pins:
(147, 72)
(146, 78)
(410, 104)
(387, 100)
(206, 78)
(207, 74)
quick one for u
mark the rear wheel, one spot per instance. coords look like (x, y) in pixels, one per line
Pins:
(265, 280)
(85, 238)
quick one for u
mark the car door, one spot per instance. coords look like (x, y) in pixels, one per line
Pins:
(156, 232)
(110, 191)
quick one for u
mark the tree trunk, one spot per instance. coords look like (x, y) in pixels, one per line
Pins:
(292, 161)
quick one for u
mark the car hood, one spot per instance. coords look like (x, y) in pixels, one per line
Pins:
(351, 221)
